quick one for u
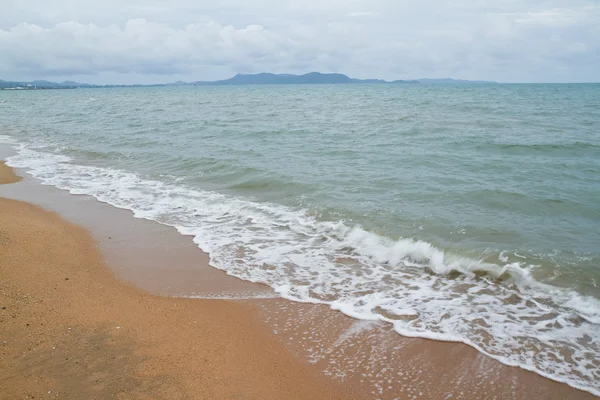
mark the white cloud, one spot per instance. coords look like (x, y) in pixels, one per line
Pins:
(508, 41)
(558, 17)
(362, 14)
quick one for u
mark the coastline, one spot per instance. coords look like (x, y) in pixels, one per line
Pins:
(70, 329)
(352, 352)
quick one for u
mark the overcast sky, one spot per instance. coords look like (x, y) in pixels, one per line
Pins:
(156, 41)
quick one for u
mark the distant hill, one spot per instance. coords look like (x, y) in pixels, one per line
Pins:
(242, 79)
(279, 79)
(43, 85)
(290, 79)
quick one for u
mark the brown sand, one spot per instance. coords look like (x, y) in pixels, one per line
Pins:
(70, 329)
(7, 175)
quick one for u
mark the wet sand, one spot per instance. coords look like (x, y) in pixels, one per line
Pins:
(365, 358)
(7, 175)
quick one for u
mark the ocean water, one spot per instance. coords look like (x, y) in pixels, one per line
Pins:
(454, 212)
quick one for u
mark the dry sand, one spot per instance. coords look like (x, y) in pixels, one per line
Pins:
(69, 329)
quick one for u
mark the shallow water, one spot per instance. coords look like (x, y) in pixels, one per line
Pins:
(464, 213)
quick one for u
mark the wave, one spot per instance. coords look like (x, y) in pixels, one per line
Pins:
(498, 308)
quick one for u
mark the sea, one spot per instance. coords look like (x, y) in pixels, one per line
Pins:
(462, 213)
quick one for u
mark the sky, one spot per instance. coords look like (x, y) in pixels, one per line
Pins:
(158, 41)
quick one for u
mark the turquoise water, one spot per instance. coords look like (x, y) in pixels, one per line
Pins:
(454, 212)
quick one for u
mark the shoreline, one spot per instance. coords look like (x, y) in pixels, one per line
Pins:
(370, 358)
(71, 329)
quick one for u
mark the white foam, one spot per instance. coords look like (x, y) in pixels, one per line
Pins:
(230, 296)
(504, 313)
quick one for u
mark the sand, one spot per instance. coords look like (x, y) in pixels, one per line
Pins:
(7, 175)
(70, 329)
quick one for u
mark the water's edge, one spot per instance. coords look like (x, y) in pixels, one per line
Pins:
(587, 307)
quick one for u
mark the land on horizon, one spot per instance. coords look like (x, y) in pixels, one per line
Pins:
(311, 78)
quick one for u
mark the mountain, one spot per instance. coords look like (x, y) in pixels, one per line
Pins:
(74, 84)
(451, 81)
(279, 79)
(290, 79)
(242, 79)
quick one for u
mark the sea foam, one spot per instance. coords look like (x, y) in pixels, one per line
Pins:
(498, 308)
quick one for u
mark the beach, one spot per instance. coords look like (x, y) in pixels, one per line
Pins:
(343, 200)
(77, 327)
(70, 329)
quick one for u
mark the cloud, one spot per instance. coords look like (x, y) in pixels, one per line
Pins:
(139, 46)
(142, 46)
(539, 40)
(362, 14)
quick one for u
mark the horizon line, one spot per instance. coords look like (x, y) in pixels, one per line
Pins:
(231, 78)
